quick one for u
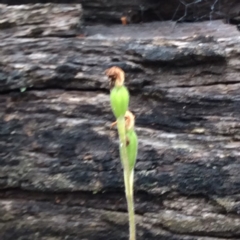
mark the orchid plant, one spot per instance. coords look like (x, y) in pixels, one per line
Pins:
(128, 141)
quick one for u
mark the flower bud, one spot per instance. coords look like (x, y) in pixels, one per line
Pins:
(132, 147)
(119, 98)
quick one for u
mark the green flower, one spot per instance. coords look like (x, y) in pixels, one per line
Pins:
(132, 147)
(119, 98)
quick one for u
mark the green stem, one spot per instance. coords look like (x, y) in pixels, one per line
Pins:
(128, 177)
(130, 202)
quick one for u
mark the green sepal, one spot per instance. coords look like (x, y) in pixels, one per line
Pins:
(132, 147)
(119, 98)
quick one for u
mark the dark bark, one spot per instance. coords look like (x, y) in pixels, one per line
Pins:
(49, 20)
(60, 174)
(150, 10)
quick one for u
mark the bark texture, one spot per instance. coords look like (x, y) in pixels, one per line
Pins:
(60, 174)
(136, 11)
(49, 20)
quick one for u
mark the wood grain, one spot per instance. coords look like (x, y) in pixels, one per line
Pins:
(60, 174)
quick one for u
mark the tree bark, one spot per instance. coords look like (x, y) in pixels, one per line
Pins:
(60, 174)
(49, 20)
(104, 11)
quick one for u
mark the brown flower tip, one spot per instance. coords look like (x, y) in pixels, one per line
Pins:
(124, 20)
(129, 120)
(116, 76)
